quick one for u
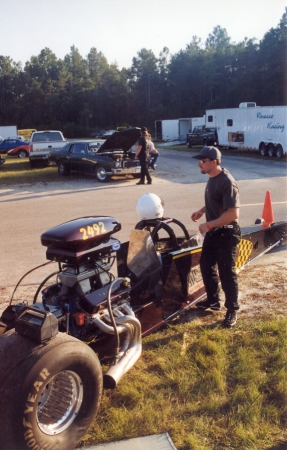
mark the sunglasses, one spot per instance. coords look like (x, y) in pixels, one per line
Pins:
(201, 161)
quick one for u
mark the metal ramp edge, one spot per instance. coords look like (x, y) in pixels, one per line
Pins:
(153, 442)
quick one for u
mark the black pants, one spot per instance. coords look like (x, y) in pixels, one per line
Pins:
(144, 171)
(219, 252)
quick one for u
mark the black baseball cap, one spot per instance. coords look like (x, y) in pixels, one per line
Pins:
(209, 152)
(143, 129)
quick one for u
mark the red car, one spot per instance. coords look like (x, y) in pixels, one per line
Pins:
(21, 151)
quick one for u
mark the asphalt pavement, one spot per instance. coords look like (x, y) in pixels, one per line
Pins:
(28, 210)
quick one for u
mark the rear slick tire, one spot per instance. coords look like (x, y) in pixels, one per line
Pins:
(49, 393)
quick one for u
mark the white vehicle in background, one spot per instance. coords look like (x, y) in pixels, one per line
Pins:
(250, 126)
(166, 130)
(20, 138)
(42, 143)
(8, 131)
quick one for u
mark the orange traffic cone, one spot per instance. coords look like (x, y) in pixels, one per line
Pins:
(267, 214)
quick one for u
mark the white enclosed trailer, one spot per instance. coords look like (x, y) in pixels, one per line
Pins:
(186, 125)
(250, 126)
(166, 130)
(8, 131)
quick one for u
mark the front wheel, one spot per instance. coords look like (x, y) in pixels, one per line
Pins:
(50, 393)
(22, 154)
(63, 169)
(101, 174)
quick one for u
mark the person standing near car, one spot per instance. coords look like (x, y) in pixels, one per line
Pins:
(222, 234)
(153, 153)
(142, 154)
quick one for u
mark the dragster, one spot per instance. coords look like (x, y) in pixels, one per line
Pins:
(52, 350)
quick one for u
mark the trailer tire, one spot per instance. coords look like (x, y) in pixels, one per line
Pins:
(263, 149)
(279, 151)
(34, 378)
(270, 150)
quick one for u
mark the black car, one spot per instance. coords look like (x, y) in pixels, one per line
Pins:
(202, 135)
(10, 143)
(100, 158)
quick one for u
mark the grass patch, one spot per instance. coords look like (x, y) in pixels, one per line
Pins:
(209, 388)
(17, 170)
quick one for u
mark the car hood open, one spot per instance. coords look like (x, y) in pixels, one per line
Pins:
(121, 140)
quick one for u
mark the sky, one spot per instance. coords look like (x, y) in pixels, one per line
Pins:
(121, 28)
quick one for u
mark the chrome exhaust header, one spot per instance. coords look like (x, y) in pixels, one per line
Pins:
(131, 348)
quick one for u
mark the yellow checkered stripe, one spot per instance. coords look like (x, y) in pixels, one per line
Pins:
(244, 251)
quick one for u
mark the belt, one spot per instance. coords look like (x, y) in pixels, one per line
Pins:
(223, 226)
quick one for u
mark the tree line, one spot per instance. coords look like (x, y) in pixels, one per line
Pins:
(81, 94)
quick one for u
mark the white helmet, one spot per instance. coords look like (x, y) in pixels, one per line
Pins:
(150, 206)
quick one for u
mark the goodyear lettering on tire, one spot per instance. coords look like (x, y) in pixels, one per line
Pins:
(30, 405)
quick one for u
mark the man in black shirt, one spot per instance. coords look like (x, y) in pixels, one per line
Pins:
(222, 234)
(142, 154)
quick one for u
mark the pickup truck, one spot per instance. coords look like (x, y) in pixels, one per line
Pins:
(41, 144)
(202, 135)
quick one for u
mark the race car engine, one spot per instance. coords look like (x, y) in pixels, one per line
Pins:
(87, 300)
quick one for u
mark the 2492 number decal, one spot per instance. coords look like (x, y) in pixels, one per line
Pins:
(93, 230)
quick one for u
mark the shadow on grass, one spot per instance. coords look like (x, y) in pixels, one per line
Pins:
(279, 447)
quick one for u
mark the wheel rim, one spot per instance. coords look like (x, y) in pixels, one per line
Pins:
(101, 173)
(60, 402)
(22, 154)
(263, 150)
(279, 151)
(270, 150)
